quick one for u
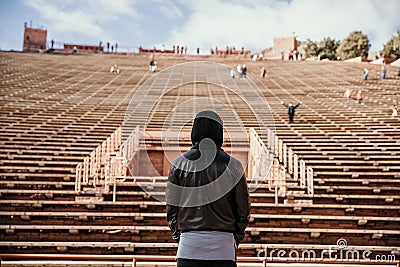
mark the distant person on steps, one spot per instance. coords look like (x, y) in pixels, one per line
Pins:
(291, 109)
(360, 97)
(394, 110)
(365, 73)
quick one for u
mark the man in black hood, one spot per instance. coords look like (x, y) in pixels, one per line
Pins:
(208, 204)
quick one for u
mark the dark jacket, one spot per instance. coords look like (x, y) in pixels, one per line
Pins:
(291, 109)
(224, 204)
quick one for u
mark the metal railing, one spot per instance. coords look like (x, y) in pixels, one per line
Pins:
(107, 164)
(263, 166)
(272, 161)
(135, 259)
(290, 161)
(259, 158)
(91, 171)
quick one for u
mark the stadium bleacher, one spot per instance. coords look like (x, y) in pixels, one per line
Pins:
(56, 109)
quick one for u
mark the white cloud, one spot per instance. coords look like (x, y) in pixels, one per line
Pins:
(210, 23)
(169, 10)
(86, 18)
(255, 23)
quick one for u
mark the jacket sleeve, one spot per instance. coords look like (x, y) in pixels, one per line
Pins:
(172, 211)
(242, 212)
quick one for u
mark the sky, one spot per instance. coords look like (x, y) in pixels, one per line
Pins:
(197, 23)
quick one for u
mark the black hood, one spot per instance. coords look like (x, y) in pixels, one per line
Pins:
(207, 124)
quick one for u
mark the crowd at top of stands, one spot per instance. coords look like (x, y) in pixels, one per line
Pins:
(183, 50)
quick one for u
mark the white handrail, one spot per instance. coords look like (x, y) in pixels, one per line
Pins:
(285, 156)
(258, 157)
(78, 177)
(260, 167)
(302, 173)
(295, 167)
(291, 163)
(92, 170)
(310, 181)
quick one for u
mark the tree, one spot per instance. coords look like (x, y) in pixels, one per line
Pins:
(392, 47)
(354, 45)
(327, 48)
(324, 49)
(311, 48)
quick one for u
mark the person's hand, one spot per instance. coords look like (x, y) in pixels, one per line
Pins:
(301, 103)
(282, 102)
